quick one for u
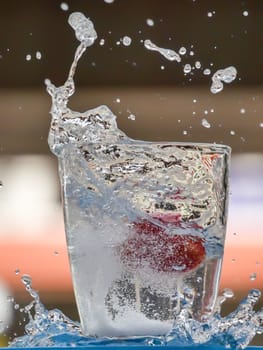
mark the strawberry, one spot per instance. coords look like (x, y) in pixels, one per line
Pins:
(151, 245)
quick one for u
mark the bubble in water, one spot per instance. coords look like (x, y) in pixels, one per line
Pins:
(207, 71)
(150, 22)
(84, 29)
(64, 6)
(169, 54)
(245, 13)
(187, 68)
(205, 123)
(182, 51)
(253, 276)
(226, 75)
(28, 57)
(126, 40)
(38, 55)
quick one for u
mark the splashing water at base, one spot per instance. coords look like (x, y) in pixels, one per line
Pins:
(47, 328)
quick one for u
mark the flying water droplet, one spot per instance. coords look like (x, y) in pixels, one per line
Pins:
(207, 71)
(187, 68)
(253, 276)
(205, 123)
(228, 293)
(84, 29)
(28, 57)
(64, 6)
(150, 22)
(245, 13)
(38, 55)
(197, 65)
(17, 271)
(27, 280)
(232, 132)
(182, 51)
(1, 184)
(126, 40)
(169, 54)
(242, 110)
(261, 125)
(221, 76)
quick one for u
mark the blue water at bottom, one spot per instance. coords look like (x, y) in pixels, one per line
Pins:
(51, 328)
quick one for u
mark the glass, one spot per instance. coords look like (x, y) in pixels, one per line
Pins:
(145, 226)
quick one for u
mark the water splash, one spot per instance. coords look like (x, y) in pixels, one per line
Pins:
(169, 54)
(46, 328)
(221, 76)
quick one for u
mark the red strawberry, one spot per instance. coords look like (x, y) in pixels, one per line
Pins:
(151, 245)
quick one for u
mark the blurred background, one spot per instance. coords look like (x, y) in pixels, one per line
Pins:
(153, 98)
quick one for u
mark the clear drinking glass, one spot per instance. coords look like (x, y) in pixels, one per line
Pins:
(145, 226)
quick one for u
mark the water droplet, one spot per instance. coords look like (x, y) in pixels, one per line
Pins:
(242, 110)
(261, 125)
(64, 6)
(207, 71)
(197, 64)
(253, 276)
(17, 271)
(102, 42)
(84, 29)
(226, 75)
(169, 54)
(16, 306)
(209, 14)
(109, 1)
(10, 299)
(228, 293)
(205, 123)
(1, 184)
(150, 22)
(126, 40)
(28, 57)
(27, 280)
(212, 110)
(162, 67)
(132, 117)
(185, 132)
(118, 100)
(194, 100)
(205, 111)
(182, 51)
(245, 13)
(191, 53)
(232, 132)
(187, 68)
(38, 55)
(56, 253)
